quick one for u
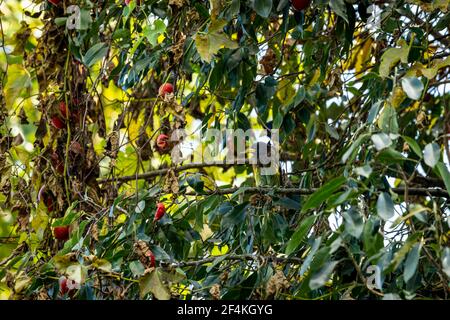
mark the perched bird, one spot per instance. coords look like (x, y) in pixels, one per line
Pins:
(265, 165)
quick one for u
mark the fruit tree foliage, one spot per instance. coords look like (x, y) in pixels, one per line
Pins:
(358, 90)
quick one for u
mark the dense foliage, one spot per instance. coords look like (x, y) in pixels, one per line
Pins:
(358, 209)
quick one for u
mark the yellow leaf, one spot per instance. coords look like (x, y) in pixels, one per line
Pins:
(210, 43)
(397, 97)
(21, 283)
(102, 264)
(216, 7)
(418, 69)
(392, 56)
(363, 56)
(151, 282)
(219, 251)
(315, 78)
(77, 273)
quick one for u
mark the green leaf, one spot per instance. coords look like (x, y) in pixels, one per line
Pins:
(388, 120)
(353, 222)
(403, 251)
(411, 262)
(414, 145)
(445, 175)
(262, 7)
(390, 156)
(300, 233)
(85, 19)
(350, 153)
(364, 171)
(413, 87)
(140, 206)
(153, 32)
(95, 54)
(137, 268)
(373, 112)
(431, 154)
(339, 7)
(381, 141)
(151, 282)
(196, 183)
(70, 216)
(323, 193)
(319, 279)
(385, 206)
(310, 256)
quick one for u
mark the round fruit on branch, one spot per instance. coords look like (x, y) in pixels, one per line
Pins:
(61, 233)
(63, 288)
(300, 5)
(160, 211)
(165, 89)
(162, 142)
(67, 285)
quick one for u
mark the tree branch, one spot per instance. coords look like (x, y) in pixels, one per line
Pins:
(285, 156)
(236, 257)
(302, 191)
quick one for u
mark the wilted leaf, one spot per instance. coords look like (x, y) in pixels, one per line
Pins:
(151, 282)
(391, 57)
(210, 43)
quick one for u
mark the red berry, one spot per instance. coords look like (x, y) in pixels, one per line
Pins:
(165, 89)
(162, 141)
(63, 109)
(57, 122)
(61, 233)
(160, 211)
(300, 5)
(54, 2)
(63, 288)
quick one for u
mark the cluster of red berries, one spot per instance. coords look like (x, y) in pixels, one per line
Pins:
(162, 141)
